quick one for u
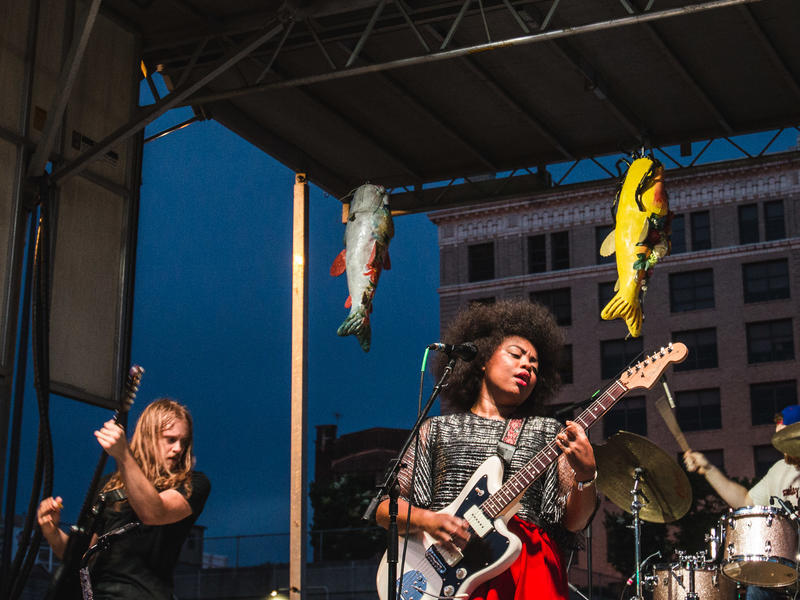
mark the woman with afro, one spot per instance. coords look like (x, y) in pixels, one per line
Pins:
(514, 372)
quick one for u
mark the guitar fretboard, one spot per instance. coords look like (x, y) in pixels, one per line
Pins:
(494, 505)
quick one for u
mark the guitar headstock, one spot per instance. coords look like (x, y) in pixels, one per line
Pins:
(646, 372)
(131, 387)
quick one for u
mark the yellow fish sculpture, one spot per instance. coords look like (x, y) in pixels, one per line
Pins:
(640, 238)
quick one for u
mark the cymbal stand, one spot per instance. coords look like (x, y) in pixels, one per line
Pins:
(636, 507)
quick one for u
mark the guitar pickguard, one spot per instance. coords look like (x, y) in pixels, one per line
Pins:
(478, 554)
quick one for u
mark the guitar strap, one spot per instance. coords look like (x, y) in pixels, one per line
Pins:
(508, 443)
(117, 495)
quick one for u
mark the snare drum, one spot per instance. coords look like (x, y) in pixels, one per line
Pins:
(673, 582)
(759, 546)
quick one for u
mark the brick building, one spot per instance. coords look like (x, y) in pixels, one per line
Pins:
(729, 291)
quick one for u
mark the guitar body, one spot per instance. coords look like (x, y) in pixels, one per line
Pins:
(431, 569)
(66, 584)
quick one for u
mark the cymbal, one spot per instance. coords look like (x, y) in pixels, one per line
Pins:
(663, 482)
(787, 440)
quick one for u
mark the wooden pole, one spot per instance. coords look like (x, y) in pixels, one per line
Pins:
(297, 513)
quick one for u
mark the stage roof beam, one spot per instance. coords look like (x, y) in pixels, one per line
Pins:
(365, 35)
(310, 24)
(770, 50)
(544, 36)
(69, 74)
(159, 108)
(486, 77)
(440, 121)
(683, 71)
(568, 53)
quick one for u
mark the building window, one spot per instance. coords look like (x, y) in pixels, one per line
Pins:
(678, 235)
(701, 230)
(558, 301)
(480, 259)
(600, 234)
(768, 399)
(774, 228)
(615, 355)
(748, 223)
(767, 280)
(763, 458)
(559, 246)
(605, 292)
(691, 290)
(486, 300)
(702, 345)
(698, 409)
(629, 414)
(537, 254)
(769, 341)
(565, 364)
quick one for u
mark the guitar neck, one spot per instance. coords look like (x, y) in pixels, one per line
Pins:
(535, 467)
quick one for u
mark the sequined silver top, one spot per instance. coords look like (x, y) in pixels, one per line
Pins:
(452, 447)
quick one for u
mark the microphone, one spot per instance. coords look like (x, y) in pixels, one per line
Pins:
(787, 506)
(466, 351)
(642, 565)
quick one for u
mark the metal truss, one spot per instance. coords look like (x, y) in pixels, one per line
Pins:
(527, 181)
(194, 60)
(339, 34)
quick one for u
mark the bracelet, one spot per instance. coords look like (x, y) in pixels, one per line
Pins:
(588, 482)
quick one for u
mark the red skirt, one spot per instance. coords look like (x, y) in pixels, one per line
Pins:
(537, 573)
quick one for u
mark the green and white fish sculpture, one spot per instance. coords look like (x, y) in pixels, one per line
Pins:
(366, 253)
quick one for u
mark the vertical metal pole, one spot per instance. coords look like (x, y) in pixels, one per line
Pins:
(297, 513)
(589, 559)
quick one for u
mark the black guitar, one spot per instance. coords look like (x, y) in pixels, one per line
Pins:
(65, 584)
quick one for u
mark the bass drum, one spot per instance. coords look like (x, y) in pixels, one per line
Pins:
(759, 546)
(673, 582)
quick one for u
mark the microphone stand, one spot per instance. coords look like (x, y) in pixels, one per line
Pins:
(390, 487)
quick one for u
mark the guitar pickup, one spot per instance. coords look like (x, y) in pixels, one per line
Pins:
(479, 522)
(450, 553)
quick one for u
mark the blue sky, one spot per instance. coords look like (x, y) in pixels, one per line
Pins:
(212, 326)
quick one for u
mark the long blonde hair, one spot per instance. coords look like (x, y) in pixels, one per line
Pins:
(156, 417)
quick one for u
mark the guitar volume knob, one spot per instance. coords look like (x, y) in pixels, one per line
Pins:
(449, 590)
(461, 572)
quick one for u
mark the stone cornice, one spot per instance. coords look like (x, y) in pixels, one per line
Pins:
(776, 176)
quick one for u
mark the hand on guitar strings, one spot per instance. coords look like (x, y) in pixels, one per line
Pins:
(447, 528)
(112, 438)
(577, 450)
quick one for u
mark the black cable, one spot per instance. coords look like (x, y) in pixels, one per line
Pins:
(43, 474)
(8, 575)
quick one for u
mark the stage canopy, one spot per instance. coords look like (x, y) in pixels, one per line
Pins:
(414, 94)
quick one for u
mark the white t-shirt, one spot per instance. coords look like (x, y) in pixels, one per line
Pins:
(781, 480)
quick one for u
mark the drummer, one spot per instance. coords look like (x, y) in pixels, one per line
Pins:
(782, 480)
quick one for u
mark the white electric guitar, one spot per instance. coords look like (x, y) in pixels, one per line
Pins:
(438, 570)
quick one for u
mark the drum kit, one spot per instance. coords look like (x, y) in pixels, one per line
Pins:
(754, 545)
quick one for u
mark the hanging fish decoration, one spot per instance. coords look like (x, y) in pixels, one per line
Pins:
(366, 253)
(640, 238)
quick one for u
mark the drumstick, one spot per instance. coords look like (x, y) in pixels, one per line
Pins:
(672, 424)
